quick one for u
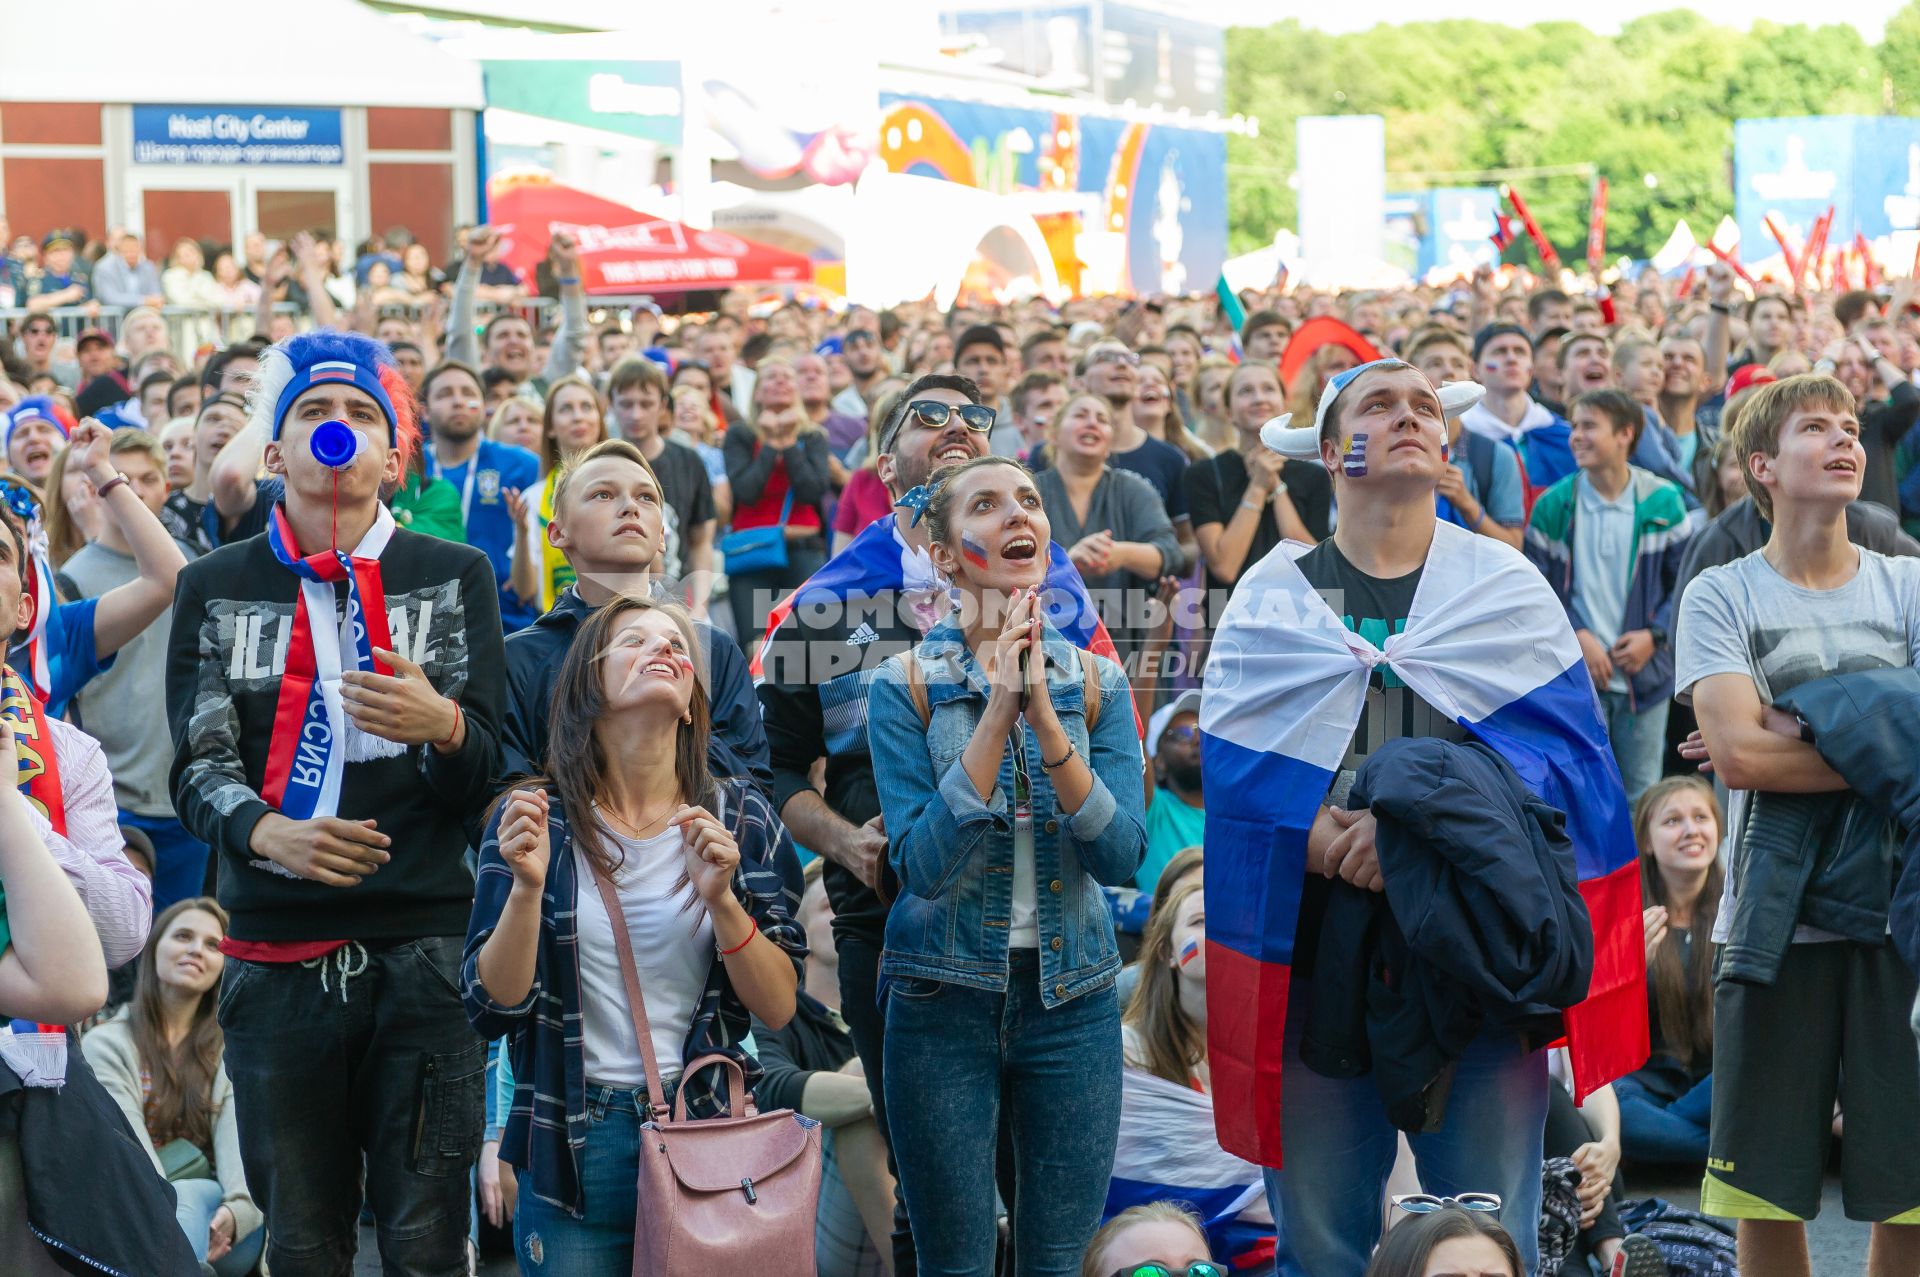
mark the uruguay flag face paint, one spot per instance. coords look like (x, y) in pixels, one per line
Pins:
(1488, 644)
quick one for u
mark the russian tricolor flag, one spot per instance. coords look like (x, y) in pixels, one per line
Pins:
(1167, 1152)
(1487, 644)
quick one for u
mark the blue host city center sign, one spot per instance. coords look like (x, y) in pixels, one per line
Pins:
(236, 136)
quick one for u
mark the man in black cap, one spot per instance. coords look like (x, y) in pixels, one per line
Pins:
(56, 282)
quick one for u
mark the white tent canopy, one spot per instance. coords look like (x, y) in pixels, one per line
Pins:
(319, 53)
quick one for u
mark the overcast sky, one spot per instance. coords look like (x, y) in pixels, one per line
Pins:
(1868, 15)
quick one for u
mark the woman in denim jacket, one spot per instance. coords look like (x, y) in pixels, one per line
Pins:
(1000, 955)
(691, 860)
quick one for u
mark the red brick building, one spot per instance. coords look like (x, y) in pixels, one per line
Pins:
(353, 124)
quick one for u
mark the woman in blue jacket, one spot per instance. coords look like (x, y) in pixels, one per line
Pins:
(690, 858)
(1005, 816)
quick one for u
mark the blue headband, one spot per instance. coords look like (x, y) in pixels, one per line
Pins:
(33, 408)
(359, 375)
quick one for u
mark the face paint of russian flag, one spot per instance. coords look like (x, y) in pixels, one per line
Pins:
(1189, 951)
(973, 550)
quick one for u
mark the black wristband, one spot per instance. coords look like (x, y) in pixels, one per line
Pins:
(1719, 309)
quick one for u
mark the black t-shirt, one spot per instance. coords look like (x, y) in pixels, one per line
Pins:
(688, 493)
(1215, 486)
(183, 517)
(1162, 465)
(1375, 609)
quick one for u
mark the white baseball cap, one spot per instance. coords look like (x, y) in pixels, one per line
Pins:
(1187, 702)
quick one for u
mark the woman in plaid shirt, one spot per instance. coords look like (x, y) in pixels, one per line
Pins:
(711, 925)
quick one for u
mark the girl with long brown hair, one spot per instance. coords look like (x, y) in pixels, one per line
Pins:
(160, 1057)
(627, 807)
(573, 420)
(1164, 1030)
(1664, 1106)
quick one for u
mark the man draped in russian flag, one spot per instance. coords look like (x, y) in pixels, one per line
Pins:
(1399, 625)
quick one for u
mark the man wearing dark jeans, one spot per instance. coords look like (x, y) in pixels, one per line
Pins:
(329, 754)
(814, 671)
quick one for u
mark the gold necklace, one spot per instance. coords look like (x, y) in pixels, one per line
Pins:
(621, 826)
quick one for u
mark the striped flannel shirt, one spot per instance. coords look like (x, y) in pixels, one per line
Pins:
(546, 1126)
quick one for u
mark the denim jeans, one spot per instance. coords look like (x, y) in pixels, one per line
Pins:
(198, 1202)
(1639, 740)
(956, 1058)
(1339, 1149)
(547, 1239)
(1655, 1129)
(179, 859)
(357, 1064)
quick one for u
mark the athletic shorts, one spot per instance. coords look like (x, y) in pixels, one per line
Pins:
(1834, 1022)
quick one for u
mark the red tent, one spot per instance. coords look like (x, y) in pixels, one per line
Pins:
(624, 251)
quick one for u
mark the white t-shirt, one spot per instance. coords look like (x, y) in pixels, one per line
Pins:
(1023, 931)
(672, 939)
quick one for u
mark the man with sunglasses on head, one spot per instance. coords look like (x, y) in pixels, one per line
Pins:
(874, 599)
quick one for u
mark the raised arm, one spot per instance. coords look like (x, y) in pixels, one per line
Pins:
(124, 611)
(1720, 298)
(570, 339)
(461, 345)
(235, 474)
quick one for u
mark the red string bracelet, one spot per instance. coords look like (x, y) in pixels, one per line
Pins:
(728, 953)
(458, 714)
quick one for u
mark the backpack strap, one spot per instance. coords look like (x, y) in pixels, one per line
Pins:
(916, 686)
(1480, 459)
(1090, 683)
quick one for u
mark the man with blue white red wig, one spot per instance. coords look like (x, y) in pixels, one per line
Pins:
(1400, 625)
(334, 689)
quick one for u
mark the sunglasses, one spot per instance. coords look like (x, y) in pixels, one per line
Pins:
(1184, 732)
(1428, 1203)
(1154, 1268)
(935, 415)
(1115, 355)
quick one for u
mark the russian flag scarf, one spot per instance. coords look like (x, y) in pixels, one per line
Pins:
(312, 738)
(1167, 1152)
(1488, 644)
